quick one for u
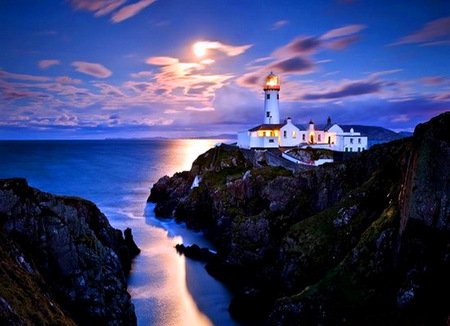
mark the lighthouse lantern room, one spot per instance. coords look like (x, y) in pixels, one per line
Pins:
(271, 99)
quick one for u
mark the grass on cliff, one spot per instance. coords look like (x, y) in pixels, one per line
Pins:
(26, 293)
(355, 287)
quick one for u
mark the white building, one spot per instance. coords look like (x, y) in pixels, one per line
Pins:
(273, 134)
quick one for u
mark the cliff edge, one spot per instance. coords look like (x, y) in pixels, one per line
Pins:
(61, 261)
(360, 242)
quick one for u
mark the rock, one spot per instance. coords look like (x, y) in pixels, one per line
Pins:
(360, 242)
(69, 253)
(195, 252)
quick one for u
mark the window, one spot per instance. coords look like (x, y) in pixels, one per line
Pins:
(268, 96)
(271, 134)
(346, 149)
(329, 140)
(278, 96)
(311, 138)
(271, 141)
(303, 137)
(351, 149)
(351, 140)
(359, 149)
(318, 138)
(285, 134)
(359, 140)
(268, 114)
(294, 134)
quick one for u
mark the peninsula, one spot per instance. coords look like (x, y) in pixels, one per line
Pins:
(359, 242)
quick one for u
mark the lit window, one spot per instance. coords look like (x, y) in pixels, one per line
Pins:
(285, 134)
(268, 96)
(294, 134)
(271, 133)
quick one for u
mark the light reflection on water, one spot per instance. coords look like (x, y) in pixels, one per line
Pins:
(166, 288)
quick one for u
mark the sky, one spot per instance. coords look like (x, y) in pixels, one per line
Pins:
(90, 69)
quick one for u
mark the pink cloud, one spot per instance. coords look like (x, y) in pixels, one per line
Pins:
(109, 8)
(436, 32)
(9, 75)
(106, 7)
(130, 10)
(92, 69)
(162, 61)
(44, 64)
(342, 31)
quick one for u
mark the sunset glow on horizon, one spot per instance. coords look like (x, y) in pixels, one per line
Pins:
(169, 68)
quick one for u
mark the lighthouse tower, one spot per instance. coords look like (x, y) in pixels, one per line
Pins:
(271, 99)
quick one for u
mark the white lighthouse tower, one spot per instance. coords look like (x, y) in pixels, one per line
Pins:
(271, 99)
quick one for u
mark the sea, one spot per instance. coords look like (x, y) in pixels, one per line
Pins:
(167, 289)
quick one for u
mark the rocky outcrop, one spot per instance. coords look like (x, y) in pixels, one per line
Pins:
(62, 262)
(360, 242)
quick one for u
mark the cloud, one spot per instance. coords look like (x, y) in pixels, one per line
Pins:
(92, 69)
(44, 64)
(346, 90)
(342, 31)
(279, 24)
(205, 109)
(229, 50)
(130, 10)
(343, 43)
(435, 80)
(8, 75)
(141, 74)
(106, 7)
(162, 61)
(293, 65)
(109, 7)
(68, 80)
(436, 32)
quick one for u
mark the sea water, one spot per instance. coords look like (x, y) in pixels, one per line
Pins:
(167, 289)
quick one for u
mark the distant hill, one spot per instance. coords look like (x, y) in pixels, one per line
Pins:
(376, 133)
(221, 136)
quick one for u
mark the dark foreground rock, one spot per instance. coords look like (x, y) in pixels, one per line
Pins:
(195, 252)
(360, 242)
(61, 261)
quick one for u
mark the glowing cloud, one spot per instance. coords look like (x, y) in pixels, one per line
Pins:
(200, 48)
(92, 69)
(162, 61)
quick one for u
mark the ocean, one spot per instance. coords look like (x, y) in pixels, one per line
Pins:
(167, 289)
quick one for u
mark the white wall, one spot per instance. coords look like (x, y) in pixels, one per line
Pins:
(287, 133)
(271, 107)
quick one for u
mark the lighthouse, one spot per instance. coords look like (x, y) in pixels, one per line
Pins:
(271, 99)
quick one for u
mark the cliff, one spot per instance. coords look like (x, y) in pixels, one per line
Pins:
(61, 261)
(360, 242)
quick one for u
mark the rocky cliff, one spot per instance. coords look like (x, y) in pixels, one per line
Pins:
(360, 242)
(61, 261)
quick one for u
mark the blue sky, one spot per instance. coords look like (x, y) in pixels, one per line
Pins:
(127, 68)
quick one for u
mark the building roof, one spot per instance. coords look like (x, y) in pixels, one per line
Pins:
(265, 126)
